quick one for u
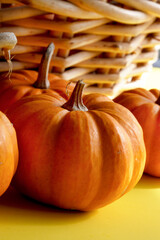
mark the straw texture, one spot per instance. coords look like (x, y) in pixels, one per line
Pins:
(108, 44)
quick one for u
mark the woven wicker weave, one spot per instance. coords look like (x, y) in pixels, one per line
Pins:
(108, 44)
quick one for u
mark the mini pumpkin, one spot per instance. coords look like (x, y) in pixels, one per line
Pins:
(145, 105)
(29, 82)
(81, 154)
(8, 152)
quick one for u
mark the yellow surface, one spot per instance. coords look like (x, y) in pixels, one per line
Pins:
(153, 79)
(135, 216)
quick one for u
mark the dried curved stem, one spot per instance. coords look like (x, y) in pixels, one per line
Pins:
(42, 80)
(75, 102)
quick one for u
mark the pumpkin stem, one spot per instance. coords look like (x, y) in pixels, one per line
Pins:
(75, 102)
(42, 80)
(158, 101)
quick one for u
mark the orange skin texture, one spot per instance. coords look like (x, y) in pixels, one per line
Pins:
(21, 84)
(142, 104)
(8, 152)
(80, 160)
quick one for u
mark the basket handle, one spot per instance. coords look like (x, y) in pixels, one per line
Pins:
(114, 12)
(61, 7)
(150, 7)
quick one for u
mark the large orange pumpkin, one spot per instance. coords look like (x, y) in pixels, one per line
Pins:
(8, 152)
(28, 82)
(145, 105)
(79, 154)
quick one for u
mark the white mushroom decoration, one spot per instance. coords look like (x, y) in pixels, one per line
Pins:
(8, 41)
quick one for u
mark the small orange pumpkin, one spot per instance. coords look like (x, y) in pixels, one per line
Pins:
(28, 82)
(8, 152)
(145, 105)
(79, 154)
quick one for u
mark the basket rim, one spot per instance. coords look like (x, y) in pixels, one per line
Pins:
(89, 9)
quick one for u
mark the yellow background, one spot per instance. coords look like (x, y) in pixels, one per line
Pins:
(135, 216)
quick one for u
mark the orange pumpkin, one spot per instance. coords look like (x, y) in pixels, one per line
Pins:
(145, 105)
(28, 82)
(8, 152)
(79, 154)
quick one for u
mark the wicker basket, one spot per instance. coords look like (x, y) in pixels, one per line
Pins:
(108, 44)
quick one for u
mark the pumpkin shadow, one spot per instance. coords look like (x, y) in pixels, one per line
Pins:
(148, 182)
(25, 210)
